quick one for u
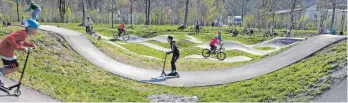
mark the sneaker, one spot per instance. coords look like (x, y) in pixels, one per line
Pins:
(171, 74)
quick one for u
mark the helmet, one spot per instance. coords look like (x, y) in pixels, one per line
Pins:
(170, 37)
(32, 23)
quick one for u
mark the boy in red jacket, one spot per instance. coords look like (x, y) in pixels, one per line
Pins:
(16, 41)
(121, 28)
(214, 41)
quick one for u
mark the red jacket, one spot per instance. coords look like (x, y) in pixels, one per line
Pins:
(12, 42)
(121, 26)
(215, 41)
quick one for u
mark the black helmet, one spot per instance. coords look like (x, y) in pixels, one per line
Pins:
(170, 37)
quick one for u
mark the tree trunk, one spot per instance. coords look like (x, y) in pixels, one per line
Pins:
(62, 10)
(131, 12)
(145, 12)
(292, 12)
(112, 14)
(243, 6)
(186, 13)
(83, 13)
(148, 12)
(333, 14)
(273, 14)
(343, 20)
(17, 12)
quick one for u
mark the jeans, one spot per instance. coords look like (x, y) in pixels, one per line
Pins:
(35, 13)
(212, 47)
(174, 59)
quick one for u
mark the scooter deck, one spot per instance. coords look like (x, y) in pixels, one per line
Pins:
(172, 76)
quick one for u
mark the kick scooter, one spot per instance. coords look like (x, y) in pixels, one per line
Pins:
(18, 92)
(163, 74)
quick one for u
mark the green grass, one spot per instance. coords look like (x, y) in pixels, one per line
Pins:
(182, 43)
(58, 71)
(248, 40)
(264, 48)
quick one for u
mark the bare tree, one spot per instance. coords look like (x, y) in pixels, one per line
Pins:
(343, 19)
(17, 11)
(186, 13)
(83, 13)
(131, 11)
(333, 14)
(62, 9)
(112, 13)
(292, 11)
(148, 12)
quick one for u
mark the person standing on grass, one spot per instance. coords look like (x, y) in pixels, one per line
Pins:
(16, 41)
(36, 9)
(4, 23)
(89, 23)
(175, 57)
(292, 31)
(197, 29)
(220, 37)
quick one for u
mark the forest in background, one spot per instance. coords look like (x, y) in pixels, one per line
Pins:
(255, 13)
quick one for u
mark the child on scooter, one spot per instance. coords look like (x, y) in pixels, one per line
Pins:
(36, 9)
(214, 41)
(176, 55)
(16, 41)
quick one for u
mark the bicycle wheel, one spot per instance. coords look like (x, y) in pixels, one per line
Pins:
(125, 36)
(206, 53)
(221, 55)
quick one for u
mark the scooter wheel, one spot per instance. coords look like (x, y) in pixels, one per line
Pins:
(177, 76)
(17, 92)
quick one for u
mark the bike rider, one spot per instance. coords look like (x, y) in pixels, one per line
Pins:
(214, 41)
(121, 28)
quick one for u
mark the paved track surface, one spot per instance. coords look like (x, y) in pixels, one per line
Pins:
(90, 52)
(336, 94)
(28, 94)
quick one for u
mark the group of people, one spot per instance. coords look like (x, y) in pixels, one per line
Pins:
(18, 41)
(6, 23)
(89, 27)
(176, 54)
